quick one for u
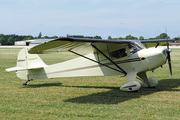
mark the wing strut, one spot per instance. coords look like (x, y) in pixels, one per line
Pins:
(96, 62)
(122, 71)
(157, 45)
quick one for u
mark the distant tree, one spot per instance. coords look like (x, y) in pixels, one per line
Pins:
(109, 38)
(89, 37)
(75, 36)
(46, 37)
(167, 37)
(54, 37)
(157, 37)
(2, 40)
(11, 40)
(117, 38)
(163, 36)
(97, 37)
(141, 38)
(177, 39)
(151, 38)
(28, 38)
(120, 38)
(129, 37)
(40, 35)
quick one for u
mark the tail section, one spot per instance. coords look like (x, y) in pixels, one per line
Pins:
(29, 61)
(26, 62)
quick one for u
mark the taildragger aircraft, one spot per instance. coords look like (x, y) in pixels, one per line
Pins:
(106, 57)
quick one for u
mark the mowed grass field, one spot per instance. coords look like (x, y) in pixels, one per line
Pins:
(87, 97)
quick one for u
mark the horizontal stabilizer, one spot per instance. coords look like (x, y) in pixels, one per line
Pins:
(21, 68)
(15, 69)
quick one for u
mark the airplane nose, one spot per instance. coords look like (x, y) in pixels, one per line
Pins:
(164, 55)
(158, 58)
(165, 52)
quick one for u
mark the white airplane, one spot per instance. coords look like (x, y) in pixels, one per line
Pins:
(106, 57)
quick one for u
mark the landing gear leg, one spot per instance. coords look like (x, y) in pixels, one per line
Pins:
(144, 80)
(27, 82)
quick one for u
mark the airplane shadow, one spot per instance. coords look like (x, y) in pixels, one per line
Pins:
(114, 95)
(42, 85)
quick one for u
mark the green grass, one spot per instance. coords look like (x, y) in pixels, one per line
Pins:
(87, 97)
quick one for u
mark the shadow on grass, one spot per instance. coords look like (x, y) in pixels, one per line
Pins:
(42, 85)
(114, 95)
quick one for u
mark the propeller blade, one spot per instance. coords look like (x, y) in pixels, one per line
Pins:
(169, 57)
(167, 45)
(169, 61)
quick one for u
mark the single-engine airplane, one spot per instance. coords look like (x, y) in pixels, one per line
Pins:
(106, 57)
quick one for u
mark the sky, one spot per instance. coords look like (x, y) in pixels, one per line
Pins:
(115, 18)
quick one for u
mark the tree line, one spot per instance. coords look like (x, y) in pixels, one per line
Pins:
(130, 37)
(10, 39)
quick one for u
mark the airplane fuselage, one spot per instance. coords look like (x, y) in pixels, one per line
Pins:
(141, 61)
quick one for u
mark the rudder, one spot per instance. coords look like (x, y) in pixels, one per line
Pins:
(26, 62)
(29, 61)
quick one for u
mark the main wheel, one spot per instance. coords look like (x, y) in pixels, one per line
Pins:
(152, 82)
(131, 86)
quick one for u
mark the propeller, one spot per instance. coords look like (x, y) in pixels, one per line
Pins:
(169, 57)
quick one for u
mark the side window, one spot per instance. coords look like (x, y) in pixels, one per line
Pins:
(118, 53)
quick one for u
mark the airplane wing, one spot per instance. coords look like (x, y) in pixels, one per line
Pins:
(84, 45)
(154, 43)
(73, 44)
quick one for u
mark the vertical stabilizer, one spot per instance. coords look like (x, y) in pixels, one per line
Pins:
(26, 62)
(29, 61)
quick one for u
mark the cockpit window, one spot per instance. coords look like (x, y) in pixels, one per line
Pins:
(136, 46)
(118, 53)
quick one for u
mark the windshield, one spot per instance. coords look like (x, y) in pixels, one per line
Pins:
(135, 46)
